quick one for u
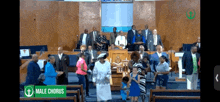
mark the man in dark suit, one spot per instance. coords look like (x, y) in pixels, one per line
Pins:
(146, 33)
(113, 36)
(84, 38)
(154, 40)
(33, 72)
(93, 35)
(190, 64)
(130, 35)
(155, 58)
(61, 64)
(198, 45)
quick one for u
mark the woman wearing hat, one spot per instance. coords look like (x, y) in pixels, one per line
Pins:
(101, 78)
(161, 74)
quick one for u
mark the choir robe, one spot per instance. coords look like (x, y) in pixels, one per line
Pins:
(101, 76)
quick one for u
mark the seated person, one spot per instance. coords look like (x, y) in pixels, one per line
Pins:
(138, 40)
(146, 64)
(113, 47)
(117, 62)
(121, 40)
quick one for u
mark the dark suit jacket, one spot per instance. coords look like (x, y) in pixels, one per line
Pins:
(145, 54)
(87, 40)
(130, 36)
(198, 48)
(90, 56)
(112, 38)
(154, 60)
(33, 72)
(91, 42)
(187, 62)
(148, 34)
(150, 42)
(64, 64)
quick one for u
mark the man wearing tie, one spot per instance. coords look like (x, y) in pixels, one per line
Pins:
(61, 64)
(84, 38)
(154, 40)
(130, 35)
(142, 53)
(198, 45)
(121, 40)
(189, 62)
(146, 33)
(93, 36)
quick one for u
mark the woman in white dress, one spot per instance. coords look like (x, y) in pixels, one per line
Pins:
(101, 78)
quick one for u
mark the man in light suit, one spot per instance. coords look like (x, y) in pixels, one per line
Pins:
(61, 64)
(146, 33)
(190, 64)
(113, 36)
(84, 38)
(155, 58)
(130, 35)
(153, 41)
(93, 35)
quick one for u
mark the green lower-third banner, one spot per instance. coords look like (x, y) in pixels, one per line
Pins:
(46, 91)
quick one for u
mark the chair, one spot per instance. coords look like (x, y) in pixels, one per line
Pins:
(72, 60)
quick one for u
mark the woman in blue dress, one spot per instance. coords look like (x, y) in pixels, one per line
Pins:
(134, 88)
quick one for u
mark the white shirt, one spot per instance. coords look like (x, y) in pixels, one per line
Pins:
(199, 44)
(121, 40)
(94, 34)
(146, 31)
(193, 55)
(141, 54)
(155, 39)
(91, 52)
(133, 31)
(60, 55)
(84, 39)
(159, 54)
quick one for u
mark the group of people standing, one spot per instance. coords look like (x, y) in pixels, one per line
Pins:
(149, 39)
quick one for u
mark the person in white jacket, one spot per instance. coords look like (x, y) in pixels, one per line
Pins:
(121, 40)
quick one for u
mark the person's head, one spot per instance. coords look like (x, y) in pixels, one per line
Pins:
(133, 27)
(94, 28)
(86, 31)
(135, 56)
(163, 59)
(51, 59)
(120, 32)
(155, 32)
(139, 31)
(159, 49)
(83, 48)
(112, 46)
(35, 57)
(125, 79)
(146, 26)
(89, 47)
(114, 29)
(198, 39)
(145, 58)
(194, 49)
(135, 70)
(41, 77)
(60, 50)
(82, 55)
(102, 57)
(141, 48)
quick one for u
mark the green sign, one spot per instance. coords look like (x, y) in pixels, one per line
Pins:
(190, 14)
(45, 91)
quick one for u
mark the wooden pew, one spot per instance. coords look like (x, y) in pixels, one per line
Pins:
(158, 92)
(74, 92)
(77, 87)
(176, 99)
(30, 99)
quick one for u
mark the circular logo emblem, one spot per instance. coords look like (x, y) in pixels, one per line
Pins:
(190, 14)
(29, 91)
